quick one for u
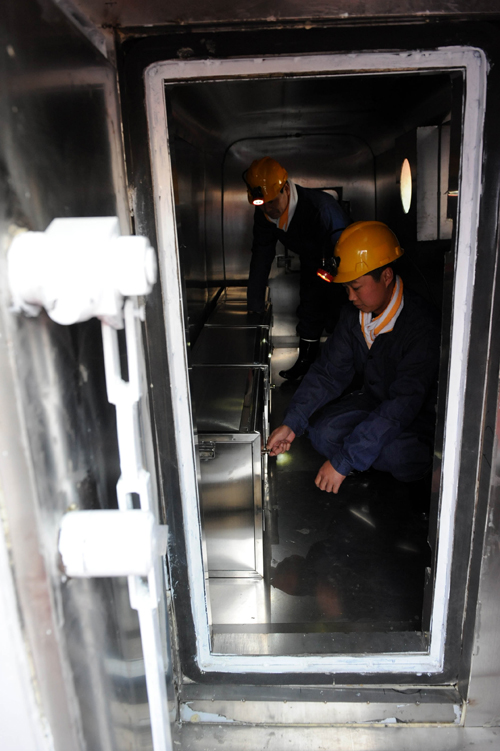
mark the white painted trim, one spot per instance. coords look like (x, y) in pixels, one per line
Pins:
(473, 63)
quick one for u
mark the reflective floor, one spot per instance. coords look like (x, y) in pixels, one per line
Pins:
(343, 572)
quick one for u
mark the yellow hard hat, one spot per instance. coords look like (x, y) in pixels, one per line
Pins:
(265, 179)
(363, 247)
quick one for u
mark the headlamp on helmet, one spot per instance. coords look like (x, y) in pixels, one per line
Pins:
(329, 268)
(265, 179)
(255, 195)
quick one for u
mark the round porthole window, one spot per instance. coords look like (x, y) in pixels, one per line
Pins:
(405, 185)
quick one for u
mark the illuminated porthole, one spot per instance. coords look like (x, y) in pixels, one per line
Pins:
(405, 185)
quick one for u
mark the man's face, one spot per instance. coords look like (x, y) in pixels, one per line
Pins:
(275, 208)
(370, 296)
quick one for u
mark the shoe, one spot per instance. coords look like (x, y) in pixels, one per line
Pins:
(307, 355)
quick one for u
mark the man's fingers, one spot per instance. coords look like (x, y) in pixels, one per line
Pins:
(276, 437)
(321, 482)
(328, 479)
(324, 483)
(279, 448)
(280, 437)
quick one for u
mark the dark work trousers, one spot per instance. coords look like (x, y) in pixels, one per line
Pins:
(407, 458)
(320, 303)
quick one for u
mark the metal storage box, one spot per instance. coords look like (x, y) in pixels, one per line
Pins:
(228, 404)
(232, 346)
(234, 313)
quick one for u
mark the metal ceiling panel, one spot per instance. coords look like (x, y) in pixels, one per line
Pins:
(129, 13)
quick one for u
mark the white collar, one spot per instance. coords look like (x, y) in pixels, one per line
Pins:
(292, 205)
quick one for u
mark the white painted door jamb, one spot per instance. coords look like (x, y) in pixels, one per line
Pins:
(474, 66)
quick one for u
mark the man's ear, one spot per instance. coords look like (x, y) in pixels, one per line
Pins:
(387, 276)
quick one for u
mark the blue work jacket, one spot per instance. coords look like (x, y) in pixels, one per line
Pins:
(313, 232)
(399, 375)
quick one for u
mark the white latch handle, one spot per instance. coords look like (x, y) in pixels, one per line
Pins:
(110, 543)
(78, 269)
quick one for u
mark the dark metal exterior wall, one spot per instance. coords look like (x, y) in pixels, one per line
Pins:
(60, 155)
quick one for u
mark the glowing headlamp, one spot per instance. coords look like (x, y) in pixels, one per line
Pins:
(255, 195)
(329, 268)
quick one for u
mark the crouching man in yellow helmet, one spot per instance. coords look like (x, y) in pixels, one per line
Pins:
(389, 337)
(308, 222)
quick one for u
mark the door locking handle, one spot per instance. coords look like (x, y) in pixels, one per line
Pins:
(206, 450)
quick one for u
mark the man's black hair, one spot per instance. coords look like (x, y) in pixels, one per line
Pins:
(377, 273)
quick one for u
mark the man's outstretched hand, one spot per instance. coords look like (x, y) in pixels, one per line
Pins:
(280, 440)
(328, 478)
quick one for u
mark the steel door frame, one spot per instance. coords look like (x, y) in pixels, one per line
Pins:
(472, 63)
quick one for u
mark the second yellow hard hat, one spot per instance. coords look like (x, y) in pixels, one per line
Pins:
(363, 247)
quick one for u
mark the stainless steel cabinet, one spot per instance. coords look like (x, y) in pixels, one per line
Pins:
(224, 345)
(229, 312)
(231, 497)
(230, 394)
(230, 416)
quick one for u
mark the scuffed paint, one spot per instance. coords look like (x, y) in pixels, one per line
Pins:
(187, 715)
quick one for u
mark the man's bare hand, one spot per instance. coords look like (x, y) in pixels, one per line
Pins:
(329, 479)
(280, 440)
